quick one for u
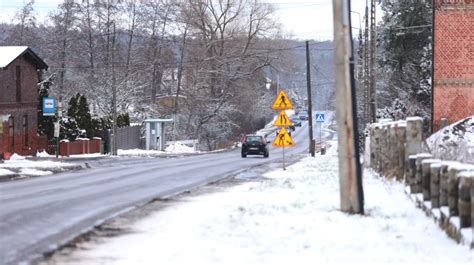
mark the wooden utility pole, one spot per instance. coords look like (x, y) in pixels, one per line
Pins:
(350, 179)
(310, 106)
(114, 100)
(373, 38)
(367, 94)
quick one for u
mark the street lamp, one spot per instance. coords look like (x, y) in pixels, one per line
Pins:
(268, 83)
(358, 14)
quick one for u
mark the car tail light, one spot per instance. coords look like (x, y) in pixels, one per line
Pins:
(244, 139)
(262, 140)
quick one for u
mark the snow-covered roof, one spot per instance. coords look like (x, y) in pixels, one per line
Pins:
(8, 54)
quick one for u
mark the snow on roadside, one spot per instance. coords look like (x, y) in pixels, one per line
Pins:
(176, 148)
(40, 164)
(138, 152)
(179, 148)
(6, 172)
(19, 165)
(34, 172)
(292, 217)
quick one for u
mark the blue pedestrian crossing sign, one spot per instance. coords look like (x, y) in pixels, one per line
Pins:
(319, 117)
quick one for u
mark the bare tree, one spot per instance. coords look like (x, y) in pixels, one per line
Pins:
(226, 60)
(24, 32)
(64, 20)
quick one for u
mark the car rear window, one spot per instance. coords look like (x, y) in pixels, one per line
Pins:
(253, 138)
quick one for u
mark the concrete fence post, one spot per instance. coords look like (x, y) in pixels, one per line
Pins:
(373, 146)
(383, 149)
(387, 150)
(414, 127)
(472, 203)
(378, 153)
(453, 187)
(410, 176)
(417, 187)
(400, 131)
(443, 183)
(393, 149)
(434, 185)
(464, 203)
(426, 177)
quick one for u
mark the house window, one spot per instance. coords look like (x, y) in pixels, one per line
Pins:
(11, 133)
(18, 83)
(25, 129)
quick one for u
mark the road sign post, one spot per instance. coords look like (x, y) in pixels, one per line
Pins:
(283, 138)
(320, 119)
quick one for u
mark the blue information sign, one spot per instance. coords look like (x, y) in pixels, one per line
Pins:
(319, 117)
(49, 106)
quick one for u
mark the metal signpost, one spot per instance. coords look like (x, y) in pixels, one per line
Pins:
(52, 108)
(283, 138)
(320, 120)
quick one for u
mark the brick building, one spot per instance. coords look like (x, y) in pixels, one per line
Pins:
(453, 77)
(19, 67)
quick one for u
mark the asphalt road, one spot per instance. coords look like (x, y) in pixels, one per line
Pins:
(38, 215)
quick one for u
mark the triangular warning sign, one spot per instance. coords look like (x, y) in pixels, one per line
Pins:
(283, 139)
(282, 102)
(282, 119)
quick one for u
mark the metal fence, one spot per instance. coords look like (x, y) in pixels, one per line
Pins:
(127, 138)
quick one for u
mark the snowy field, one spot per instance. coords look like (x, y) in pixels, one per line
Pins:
(291, 217)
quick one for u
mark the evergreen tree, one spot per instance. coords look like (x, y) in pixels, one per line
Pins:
(405, 59)
(123, 120)
(78, 121)
(45, 123)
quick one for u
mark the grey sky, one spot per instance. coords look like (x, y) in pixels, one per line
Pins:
(303, 19)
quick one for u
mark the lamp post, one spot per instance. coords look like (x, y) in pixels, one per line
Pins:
(360, 21)
(268, 83)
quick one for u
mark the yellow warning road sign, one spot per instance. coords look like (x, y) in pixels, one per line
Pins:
(282, 119)
(283, 138)
(282, 102)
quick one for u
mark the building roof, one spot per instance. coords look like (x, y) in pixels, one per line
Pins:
(8, 54)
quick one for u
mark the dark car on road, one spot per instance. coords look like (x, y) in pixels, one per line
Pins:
(254, 145)
(303, 115)
(296, 120)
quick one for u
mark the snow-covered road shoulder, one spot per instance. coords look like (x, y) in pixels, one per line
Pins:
(291, 217)
(18, 167)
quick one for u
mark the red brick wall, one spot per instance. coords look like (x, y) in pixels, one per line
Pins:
(451, 2)
(453, 92)
(28, 82)
(27, 106)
